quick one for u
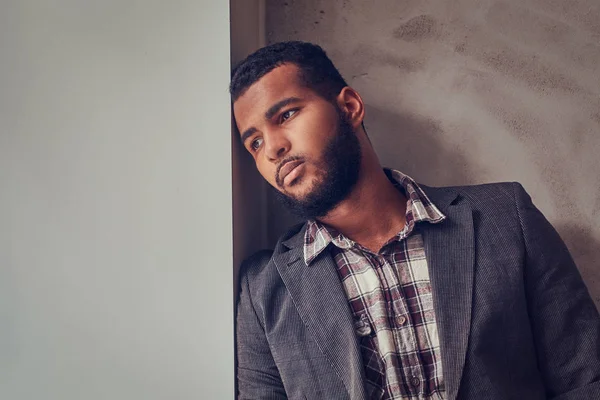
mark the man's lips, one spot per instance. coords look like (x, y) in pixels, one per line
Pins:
(285, 169)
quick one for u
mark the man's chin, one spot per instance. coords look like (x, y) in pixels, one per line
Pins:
(298, 190)
(293, 198)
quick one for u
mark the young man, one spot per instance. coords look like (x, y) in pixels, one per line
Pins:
(391, 289)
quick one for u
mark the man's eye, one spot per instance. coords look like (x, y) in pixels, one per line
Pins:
(255, 144)
(287, 115)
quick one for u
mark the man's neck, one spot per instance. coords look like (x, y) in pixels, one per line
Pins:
(374, 211)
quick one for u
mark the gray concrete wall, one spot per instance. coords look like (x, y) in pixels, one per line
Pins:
(472, 91)
(115, 200)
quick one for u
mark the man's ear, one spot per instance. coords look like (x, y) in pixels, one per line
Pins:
(351, 104)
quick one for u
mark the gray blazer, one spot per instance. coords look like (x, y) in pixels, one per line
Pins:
(515, 319)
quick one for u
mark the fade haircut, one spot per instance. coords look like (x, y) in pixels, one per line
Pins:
(317, 72)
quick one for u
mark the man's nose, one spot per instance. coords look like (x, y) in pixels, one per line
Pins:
(276, 146)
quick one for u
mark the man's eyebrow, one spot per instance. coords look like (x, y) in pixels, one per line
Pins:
(269, 114)
(247, 133)
(280, 104)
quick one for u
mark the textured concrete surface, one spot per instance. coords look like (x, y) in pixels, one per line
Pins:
(469, 91)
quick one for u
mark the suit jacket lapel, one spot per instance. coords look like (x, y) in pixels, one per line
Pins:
(321, 302)
(449, 248)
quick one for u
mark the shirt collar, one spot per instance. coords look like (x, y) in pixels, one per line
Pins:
(419, 208)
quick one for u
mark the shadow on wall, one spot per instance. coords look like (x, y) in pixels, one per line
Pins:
(416, 145)
(585, 249)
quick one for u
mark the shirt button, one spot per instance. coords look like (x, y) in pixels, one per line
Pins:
(415, 382)
(401, 320)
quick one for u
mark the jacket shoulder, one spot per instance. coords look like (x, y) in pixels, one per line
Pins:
(485, 192)
(494, 196)
(254, 264)
(258, 261)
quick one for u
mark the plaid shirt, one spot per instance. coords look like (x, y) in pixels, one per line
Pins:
(390, 297)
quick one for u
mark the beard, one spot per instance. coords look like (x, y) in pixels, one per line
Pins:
(339, 166)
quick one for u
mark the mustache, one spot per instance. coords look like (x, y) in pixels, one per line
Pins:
(286, 160)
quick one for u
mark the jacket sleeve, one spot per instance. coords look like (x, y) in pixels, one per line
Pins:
(564, 319)
(257, 374)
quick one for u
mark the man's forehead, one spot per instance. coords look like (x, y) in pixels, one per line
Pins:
(285, 74)
(280, 83)
(275, 83)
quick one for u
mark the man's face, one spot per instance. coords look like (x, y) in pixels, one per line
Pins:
(301, 143)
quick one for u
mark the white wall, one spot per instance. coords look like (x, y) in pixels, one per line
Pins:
(115, 200)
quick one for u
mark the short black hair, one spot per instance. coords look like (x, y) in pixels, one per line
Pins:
(317, 72)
